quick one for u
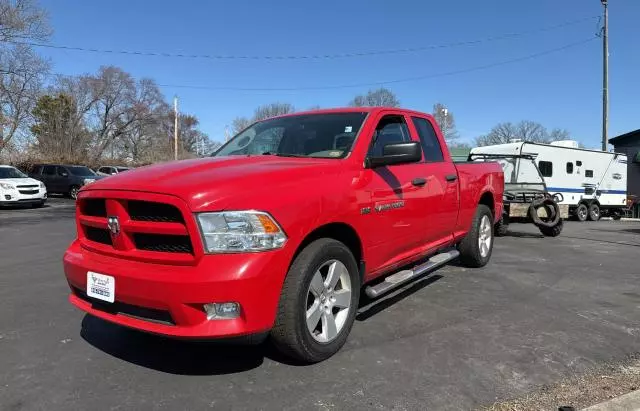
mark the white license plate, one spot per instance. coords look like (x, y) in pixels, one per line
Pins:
(100, 286)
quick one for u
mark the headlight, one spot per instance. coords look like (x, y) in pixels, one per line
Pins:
(240, 231)
(42, 185)
(88, 181)
(7, 186)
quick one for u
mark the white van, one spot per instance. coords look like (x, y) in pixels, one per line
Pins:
(592, 183)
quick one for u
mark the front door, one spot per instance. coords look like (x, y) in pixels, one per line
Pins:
(395, 204)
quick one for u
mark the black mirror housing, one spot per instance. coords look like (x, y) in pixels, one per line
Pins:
(397, 153)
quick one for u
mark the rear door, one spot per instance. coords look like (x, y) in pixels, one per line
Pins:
(440, 207)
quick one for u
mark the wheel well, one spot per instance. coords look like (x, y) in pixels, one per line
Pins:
(338, 231)
(487, 199)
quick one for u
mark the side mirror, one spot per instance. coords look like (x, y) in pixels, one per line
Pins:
(64, 174)
(397, 153)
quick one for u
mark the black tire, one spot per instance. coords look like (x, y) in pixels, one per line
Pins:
(552, 211)
(502, 227)
(290, 334)
(552, 231)
(73, 192)
(594, 212)
(616, 216)
(469, 247)
(581, 212)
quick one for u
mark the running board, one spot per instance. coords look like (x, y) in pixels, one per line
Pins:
(405, 276)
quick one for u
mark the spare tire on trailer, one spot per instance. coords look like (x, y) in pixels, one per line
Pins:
(552, 209)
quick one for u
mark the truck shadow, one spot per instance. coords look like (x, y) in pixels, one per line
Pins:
(171, 356)
(368, 308)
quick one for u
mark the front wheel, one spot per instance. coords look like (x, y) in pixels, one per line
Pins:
(73, 192)
(581, 212)
(475, 249)
(318, 302)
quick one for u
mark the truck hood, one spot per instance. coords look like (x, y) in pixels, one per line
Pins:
(220, 182)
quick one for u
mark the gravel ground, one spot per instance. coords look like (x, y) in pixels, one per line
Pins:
(594, 386)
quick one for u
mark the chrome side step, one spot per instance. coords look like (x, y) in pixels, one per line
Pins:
(405, 276)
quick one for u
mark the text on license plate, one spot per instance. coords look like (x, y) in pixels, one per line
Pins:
(100, 286)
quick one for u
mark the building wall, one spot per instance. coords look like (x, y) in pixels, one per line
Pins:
(631, 147)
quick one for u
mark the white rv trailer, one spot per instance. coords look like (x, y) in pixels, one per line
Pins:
(592, 183)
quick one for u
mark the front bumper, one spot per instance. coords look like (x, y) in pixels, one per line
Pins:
(168, 299)
(14, 197)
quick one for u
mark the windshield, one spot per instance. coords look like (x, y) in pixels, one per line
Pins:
(11, 172)
(328, 135)
(81, 171)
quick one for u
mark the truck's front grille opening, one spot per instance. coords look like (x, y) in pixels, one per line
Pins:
(98, 235)
(163, 243)
(134, 311)
(94, 207)
(28, 192)
(117, 222)
(155, 212)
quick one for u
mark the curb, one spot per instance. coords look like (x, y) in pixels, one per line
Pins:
(629, 219)
(627, 402)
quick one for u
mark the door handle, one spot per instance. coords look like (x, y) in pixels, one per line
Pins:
(419, 181)
(451, 177)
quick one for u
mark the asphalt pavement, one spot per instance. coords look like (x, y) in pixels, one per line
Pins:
(542, 310)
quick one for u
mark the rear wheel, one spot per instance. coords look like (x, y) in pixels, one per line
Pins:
(594, 212)
(475, 249)
(581, 212)
(318, 302)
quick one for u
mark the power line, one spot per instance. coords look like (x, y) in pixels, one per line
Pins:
(311, 56)
(382, 83)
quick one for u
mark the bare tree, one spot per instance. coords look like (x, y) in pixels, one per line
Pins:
(22, 20)
(525, 130)
(19, 89)
(261, 113)
(380, 97)
(272, 110)
(446, 121)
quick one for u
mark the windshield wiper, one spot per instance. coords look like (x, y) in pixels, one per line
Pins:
(267, 153)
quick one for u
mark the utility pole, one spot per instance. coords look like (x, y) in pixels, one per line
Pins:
(445, 112)
(605, 76)
(175, 128)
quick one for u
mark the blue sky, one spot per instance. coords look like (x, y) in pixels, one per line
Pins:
(561, 89)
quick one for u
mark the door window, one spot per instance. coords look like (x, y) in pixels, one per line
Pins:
(569, 168)
(62, 171)
(588, 173)
(429, 140)
(49, 170)
(391, 129)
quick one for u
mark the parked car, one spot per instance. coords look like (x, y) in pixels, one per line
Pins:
(111, 170)
(279, 231)
(17, 188)
(64, 179)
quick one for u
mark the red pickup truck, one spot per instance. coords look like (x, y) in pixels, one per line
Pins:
(282, 229)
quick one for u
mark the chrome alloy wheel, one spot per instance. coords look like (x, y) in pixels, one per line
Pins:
(328, 301)
(485, 236)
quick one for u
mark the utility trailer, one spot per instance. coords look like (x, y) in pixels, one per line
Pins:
(592, 183)
(526, 198)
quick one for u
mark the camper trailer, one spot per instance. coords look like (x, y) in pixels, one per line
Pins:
(592, 183)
